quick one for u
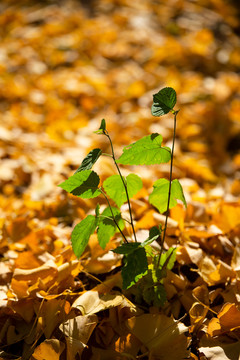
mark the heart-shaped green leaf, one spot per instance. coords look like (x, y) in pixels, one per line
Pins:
(81, 234)
(107, 227)
(159, 196)
(146, 151)
(164, 101)
(135, 267)
(89, 160)
(116, 191)
(83, 184)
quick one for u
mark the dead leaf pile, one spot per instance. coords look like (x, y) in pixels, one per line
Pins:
(63, 67)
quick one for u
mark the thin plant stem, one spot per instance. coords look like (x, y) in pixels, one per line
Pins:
(105, 154)
(170, 185)
(124, 237)
(124, 184)
(107, 217)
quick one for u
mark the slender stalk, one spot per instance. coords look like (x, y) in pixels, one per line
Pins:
(105, 154)
(170, 185)
(124, 237)
(124, 184)
(107, 217)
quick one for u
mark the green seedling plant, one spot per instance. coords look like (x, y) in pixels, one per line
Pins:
(141, 261)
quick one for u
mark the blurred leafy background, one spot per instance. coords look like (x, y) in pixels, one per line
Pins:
(65, 65)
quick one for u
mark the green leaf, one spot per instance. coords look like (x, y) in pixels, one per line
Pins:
(107, 227)
(127, 249)
(168, 258)
(102, 128)
(136, 266)
(83, 184)
(159, 196)
(155, 295)
(154, 234)
(116, 191)
(81, 234)
(164, 101)
(146, 151)
(89, 160)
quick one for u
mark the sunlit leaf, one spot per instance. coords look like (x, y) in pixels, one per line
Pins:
(127, 249)
(159, 196)
(107, 227)
(81, 234)
(89, 160)
(102, 127)
(146, 151)
(155, 294)
(164, 101)
(168, 258)
(135, 267)
(49, 349)
(161, 335)
(116, 191)
(83, 184)
(154, 234)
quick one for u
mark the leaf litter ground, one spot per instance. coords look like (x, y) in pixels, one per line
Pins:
(63, 67)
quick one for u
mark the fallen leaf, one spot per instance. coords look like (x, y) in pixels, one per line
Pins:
(222, 351)
(49, 349)
(77, 332)
(162, 336)
(91, 302)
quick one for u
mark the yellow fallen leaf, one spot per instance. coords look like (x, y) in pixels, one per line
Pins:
(229, 317)
(50, 349)
(214, 327)
(19, 288)
(91, 302)
(77, 332)
(31, 275)
(228, 216)
(222, 273)
(147, 221)
(162, 336)
(221, 351)
(50, 314)
(200, 308)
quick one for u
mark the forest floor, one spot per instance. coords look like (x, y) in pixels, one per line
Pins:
(65, 65)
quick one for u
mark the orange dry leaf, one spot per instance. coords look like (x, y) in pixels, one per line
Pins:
(215, 272)
(51, 313)
(92, 302)
(27, 260)
(229, 317)
(189, 253)
(147, 221)
(31, 275)
(127, 344)
(198, 170)
(228, 320)
(18, 229)
(227, 217)
(200, 308)
(162, 336)
(19, 288)
(77, 332)
(49, 349)
(25, 281)
(24, 308)
(236, 259)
